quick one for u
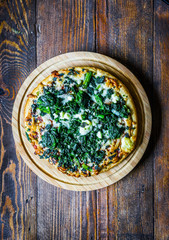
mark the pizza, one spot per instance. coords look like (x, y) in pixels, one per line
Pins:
(82, 120)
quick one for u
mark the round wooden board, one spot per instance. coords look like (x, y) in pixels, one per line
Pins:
(42, 167)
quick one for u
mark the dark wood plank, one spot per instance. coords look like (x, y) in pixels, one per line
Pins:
(102, 214)
(17, 182)
(112, 223)
(124, 31)
(161, 116)
(65, 26)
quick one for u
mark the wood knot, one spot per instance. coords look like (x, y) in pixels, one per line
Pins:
(2, 92)
(37, 29)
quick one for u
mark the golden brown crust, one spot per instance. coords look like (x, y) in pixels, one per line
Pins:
(111, 82)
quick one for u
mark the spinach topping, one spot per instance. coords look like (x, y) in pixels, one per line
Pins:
(109, 93)
(50, 138)
(27, 136)
(34, 107)
(100, 79)
(84, 121)
(90, 90)
(72, 71)
(120, 109)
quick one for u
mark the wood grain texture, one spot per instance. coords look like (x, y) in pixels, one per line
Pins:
(161, 112)
(122, 32)
(17, 59)
(126, 30)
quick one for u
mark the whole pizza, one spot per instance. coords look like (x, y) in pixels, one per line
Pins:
(82, 120)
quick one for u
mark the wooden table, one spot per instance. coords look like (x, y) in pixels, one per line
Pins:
(134, 32)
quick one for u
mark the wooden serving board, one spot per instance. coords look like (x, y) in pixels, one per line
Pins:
(42, 167)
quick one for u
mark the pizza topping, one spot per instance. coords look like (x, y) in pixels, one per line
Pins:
(87, 79)
(111, 157)
(127, 144)
(99, 134)
(28, 137)
(40, 119)
(80, 116)
(85, 127)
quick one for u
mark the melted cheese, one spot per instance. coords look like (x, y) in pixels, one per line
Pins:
(56, 124)
(66, 124)
(126, 144)
(55, 115)
(98, 74)
(95, 122)
(109, 142)
(114, 98)
(85, 130)
(59, 85)
(99, 134)
(64, 115)
(46, 119)
(79, 115)
(66, 98)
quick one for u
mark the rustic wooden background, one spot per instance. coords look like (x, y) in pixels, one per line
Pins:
(136, 33)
